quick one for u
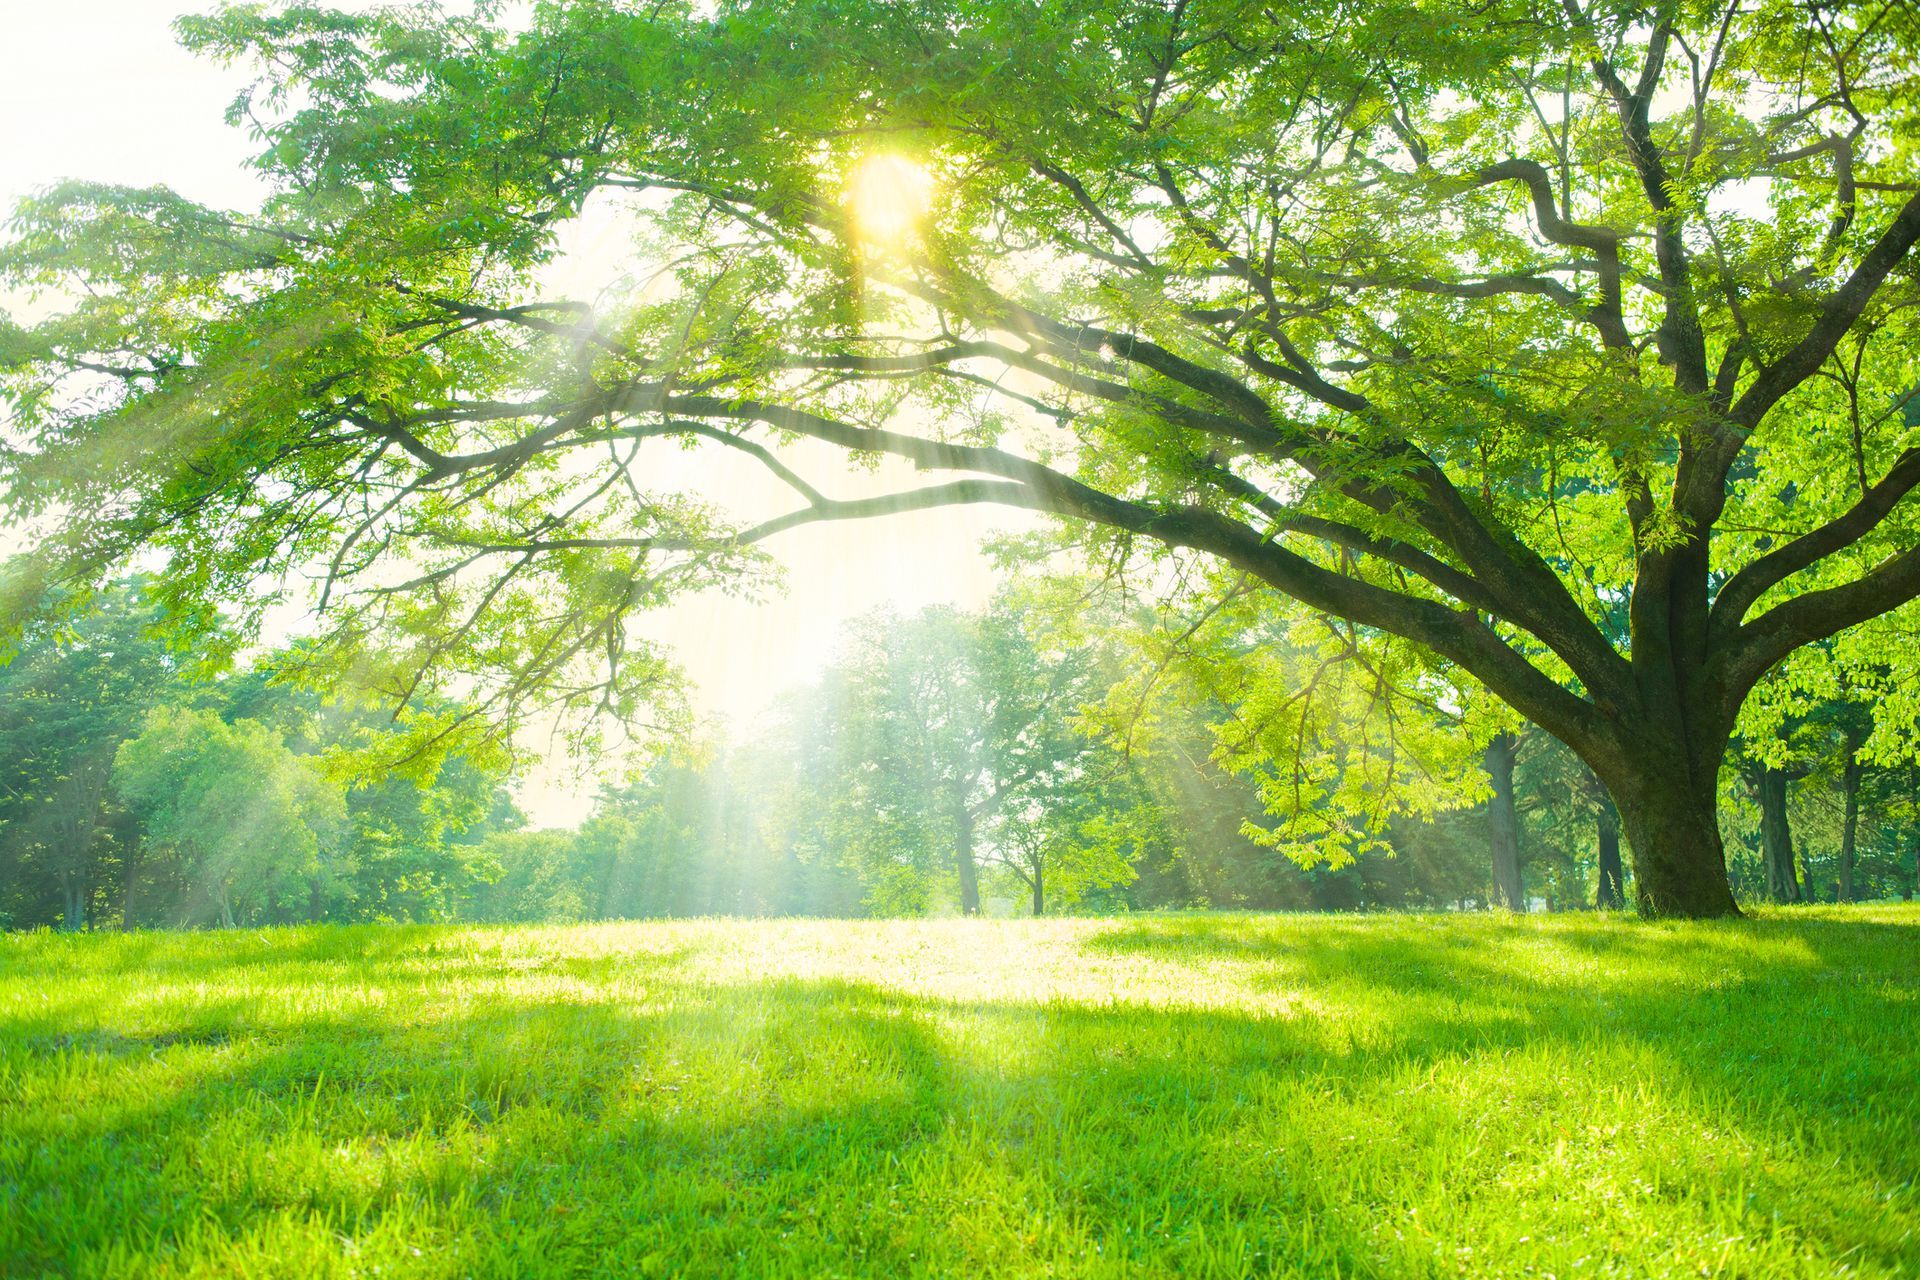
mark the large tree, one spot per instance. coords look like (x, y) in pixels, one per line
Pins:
(1506, 329)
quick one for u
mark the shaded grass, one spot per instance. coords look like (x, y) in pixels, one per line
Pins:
(1215, 1096)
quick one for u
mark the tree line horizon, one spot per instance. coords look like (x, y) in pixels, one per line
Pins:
(945, 762)
(1501, 370)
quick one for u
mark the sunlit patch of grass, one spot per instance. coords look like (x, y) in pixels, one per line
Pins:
(1217, 1095)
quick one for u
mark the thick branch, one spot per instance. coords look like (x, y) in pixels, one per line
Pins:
(1458, 636)
(1682, 343)
(1819, 614)
(1837, 315)
(1738, 595)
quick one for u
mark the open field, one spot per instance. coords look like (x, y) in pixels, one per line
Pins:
(1217, 1096)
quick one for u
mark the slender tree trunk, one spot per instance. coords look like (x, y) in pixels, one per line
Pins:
(964, 864)
(129, 889)
(73, 912)
(1039, 888)
(1611, 894)
(1776, 838)
(1849, 821)
(76, 833)
(1503, 824)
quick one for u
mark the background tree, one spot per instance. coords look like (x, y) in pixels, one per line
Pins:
(1078, 836)
(1503, 822)
(252, 828)
(68, 699)
(1154, 794)
(529, 876)
(961, 737)
(1571, 826)
(418, 804)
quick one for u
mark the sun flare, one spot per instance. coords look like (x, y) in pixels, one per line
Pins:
(888, 195)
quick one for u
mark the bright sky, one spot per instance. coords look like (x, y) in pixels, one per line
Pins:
(98, 89)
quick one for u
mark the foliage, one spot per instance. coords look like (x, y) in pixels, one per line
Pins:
(69, 697)
(1343, 735)
(420, 795)
(1115, 783)
(250, 753)
(245, 822)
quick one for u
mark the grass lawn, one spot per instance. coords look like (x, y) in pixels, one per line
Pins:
(1207, 1096)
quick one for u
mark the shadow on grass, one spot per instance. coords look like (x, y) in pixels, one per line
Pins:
(810, 1126)
(1791, 1022)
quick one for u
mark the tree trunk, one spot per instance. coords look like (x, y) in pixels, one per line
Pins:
(1671, 820)
(1039, 888)
(73, 902)
(964, 864)
(1612, 892)
(1503, 825)
(1776, 838)
(129, 885)
(1849, 826)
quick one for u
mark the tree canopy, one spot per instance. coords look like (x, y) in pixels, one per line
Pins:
(1566, 348)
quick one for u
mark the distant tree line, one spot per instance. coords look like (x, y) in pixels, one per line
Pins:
(1002, 761)
(138, 790)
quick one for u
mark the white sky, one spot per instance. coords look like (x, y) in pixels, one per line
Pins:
(98, 89)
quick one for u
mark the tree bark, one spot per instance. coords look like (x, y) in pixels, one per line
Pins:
(1776, 838)
(1672, 823)
(1039, 889)
(1503, 824)
(963, 864)
(1611, 894)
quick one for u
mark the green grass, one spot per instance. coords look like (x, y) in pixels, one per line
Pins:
(1212, 1096)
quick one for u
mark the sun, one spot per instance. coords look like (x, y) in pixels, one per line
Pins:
(887, 196)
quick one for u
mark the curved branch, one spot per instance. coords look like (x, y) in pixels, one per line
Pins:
(1458, 636)
(1818, 614)
(1606, 315)
(1750, 583)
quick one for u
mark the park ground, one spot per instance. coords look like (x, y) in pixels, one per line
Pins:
(1199, 1096)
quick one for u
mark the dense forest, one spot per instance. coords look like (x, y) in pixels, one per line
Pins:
(1039, 756)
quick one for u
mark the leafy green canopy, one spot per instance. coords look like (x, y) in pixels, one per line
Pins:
(1573, 345)
(233, 802)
